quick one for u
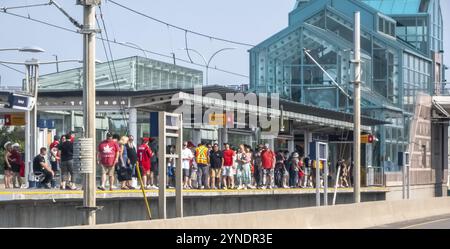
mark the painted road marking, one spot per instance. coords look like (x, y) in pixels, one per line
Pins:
(425, 223)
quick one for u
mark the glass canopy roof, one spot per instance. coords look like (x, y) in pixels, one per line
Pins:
(399, 6)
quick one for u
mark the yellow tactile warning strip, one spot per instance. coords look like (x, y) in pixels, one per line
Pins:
(119, 191)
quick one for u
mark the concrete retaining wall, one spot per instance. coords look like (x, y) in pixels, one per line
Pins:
(363, 215)
(130, 207)
(416, 192)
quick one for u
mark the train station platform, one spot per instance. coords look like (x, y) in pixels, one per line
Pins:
(57, 208)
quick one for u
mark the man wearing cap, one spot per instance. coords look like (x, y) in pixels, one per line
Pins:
(145, 155)
(268, 161)
(107, 157)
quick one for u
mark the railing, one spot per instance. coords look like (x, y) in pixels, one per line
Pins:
(441, 89)
(375, 176)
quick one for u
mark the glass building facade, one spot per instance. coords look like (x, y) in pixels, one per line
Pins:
(399, 40)
(128, 74)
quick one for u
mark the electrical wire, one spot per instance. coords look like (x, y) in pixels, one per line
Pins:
(116, 81)
(25, 6)
(180, 28)
(125, 45)
(2, 64)
(187, 46)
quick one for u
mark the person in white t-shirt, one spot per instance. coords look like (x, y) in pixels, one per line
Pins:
(186, 157)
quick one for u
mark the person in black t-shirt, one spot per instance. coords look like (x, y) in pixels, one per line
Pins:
(66, 152)
(40, 165)
(216, 161)
(132, 160)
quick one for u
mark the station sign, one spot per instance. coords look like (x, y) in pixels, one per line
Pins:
(15, 119)
(365, 139)
(46, 123)
(20, 102)
(226, 120)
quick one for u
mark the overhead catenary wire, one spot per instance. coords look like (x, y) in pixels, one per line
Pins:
(9, 67)
(126, 45)
(115, 78)
(25, 6)
(178, 27)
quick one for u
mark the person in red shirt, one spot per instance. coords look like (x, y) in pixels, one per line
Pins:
(145, 155)
(107, 157)
(268, 165)
(227, 171)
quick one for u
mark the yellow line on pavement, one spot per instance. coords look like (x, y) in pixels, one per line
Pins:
(120, 191)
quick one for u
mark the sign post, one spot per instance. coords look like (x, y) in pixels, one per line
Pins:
(319, 152)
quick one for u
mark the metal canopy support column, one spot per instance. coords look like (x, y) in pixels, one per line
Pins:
(357, 111)
(179, 171)
(132, 122)
(162, 210)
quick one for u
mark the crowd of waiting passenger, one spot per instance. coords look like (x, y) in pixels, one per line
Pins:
(205, 166)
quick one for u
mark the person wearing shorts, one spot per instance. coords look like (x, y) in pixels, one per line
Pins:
(268, 163)
(216, 161)
(107, 157)
(227, 169)
(186, 157)
(145, 155)
(67, 176)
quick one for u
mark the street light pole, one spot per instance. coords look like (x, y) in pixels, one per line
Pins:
(207, 63)
(357, 112)
(32, 76)
(31, 85)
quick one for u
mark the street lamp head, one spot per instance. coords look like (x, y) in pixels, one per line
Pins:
(32, 49)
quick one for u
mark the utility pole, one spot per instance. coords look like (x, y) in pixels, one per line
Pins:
(89, 32)
(357, 112)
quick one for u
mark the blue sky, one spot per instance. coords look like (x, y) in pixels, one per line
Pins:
(249, 21)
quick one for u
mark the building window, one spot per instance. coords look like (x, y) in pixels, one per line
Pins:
(386, 26)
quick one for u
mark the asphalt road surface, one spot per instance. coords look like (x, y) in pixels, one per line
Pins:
(436, 222)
